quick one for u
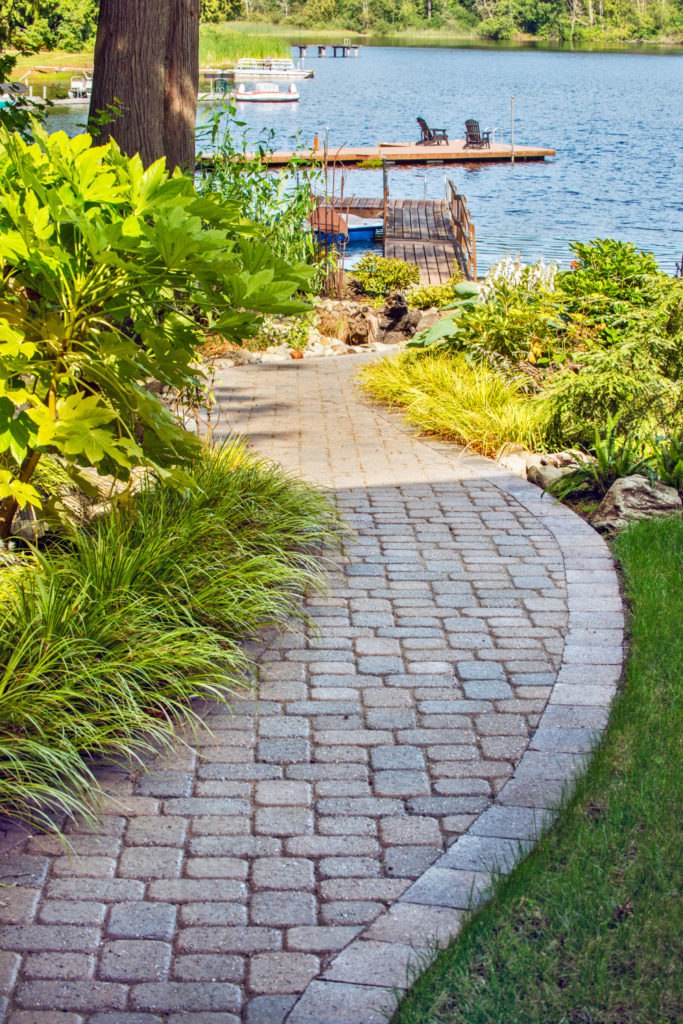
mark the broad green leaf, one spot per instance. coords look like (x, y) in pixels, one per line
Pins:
(23, 493)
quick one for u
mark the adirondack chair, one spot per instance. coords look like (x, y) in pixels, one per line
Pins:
(475, 138)
(431, 136)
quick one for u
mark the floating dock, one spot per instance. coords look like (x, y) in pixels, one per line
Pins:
(408, 153)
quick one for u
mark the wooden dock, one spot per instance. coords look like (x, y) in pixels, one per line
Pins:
(437, 235)
(410, 153)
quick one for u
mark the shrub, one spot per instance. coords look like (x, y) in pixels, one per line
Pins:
(112, 275)
(613, 268)
(667, 457)
(623, 381)
(378, 275)
(431, 295)
(105, 640)
(467, 403)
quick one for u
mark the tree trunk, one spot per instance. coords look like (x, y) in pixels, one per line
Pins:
(147, 60)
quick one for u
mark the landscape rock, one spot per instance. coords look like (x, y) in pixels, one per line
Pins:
(514, 463)
(634, 497)
(397, 319)
(544, 474)
(362, 327)
(513, 457)
(543, 470)
(27, 526)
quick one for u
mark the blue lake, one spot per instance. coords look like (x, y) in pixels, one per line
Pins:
(615, 120)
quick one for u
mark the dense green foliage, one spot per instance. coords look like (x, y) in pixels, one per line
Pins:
(51, 24)
(379, 275)
(112, 275)
(589, 927)
(571, 20)
(71, 24)
(593, 357)
(106, 637)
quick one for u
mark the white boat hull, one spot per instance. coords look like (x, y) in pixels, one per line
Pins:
(274, 76)
(266, 93)
(265, 97)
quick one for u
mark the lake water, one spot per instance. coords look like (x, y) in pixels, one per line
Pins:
(615, 120)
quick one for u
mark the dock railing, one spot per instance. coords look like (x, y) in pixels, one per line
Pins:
(463, 228)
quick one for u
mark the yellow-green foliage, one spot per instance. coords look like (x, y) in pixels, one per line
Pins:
(379, 275)
(470, 404)
(430, 295)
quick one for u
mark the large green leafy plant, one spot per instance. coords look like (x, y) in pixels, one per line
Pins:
(110, 276)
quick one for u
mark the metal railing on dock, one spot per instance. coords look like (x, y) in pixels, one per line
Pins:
(463, 229)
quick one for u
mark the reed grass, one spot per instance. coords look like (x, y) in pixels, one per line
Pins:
(472, 405)
(106, 639)
(225, 44)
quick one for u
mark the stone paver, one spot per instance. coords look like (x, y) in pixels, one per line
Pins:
(302, 855)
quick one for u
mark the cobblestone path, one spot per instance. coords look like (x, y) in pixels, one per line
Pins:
(288, 863)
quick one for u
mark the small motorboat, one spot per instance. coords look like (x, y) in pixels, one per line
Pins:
(363, 230)
(266, 92)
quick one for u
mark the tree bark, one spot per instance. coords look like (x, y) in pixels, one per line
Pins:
(147, 60)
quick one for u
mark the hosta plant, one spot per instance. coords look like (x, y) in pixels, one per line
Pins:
(112, 275)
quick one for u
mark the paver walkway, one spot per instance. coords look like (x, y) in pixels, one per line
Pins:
(286, 865)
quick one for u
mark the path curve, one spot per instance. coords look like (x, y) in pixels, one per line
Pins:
(292, 863)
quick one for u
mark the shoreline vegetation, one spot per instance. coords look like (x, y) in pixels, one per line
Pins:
(224, 43)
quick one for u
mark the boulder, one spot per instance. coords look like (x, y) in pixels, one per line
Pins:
(543, 474)
(514, 463)
(633, 497)
(347, 322)
(513, 457)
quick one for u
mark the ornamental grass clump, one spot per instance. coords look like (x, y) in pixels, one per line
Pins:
(106, 639)
(467, 403)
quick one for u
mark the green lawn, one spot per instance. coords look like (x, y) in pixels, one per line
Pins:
(589, 929)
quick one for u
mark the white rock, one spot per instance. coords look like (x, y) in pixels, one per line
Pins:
(514, 463)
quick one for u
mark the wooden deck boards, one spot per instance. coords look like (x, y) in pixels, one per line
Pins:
(417, 230)
(420, 232)
(412, 153)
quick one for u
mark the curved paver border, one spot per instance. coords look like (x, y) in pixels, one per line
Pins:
(360, 984)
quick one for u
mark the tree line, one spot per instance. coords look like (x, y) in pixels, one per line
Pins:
(71, 24)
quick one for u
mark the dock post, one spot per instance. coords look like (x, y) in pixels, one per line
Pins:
(354, 50)
(301, 48)
(512, 129)
(322, 51)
